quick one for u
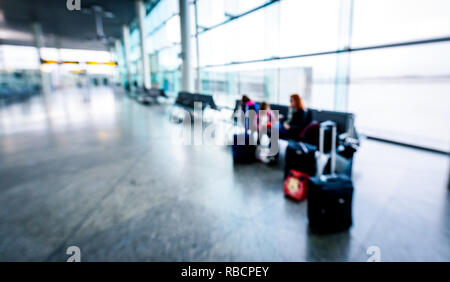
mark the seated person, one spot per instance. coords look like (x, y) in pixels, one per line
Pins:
(296, 119)
(247, 104)
(265, 118)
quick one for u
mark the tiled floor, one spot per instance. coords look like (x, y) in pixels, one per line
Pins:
(105, 176)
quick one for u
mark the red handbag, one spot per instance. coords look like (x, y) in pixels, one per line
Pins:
(296, 185)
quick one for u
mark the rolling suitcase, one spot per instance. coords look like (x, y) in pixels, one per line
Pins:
(243, 153)
(329, 196)
(300, 156)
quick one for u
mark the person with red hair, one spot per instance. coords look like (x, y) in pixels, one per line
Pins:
(296, 119)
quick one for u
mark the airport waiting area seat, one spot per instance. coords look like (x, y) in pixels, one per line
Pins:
(148, 96)
(187, 102)
(17, 93)
(345, 122)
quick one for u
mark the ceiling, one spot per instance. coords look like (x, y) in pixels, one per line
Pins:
(62, 28)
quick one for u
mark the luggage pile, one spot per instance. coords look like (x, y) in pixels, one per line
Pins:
(316, 169)
(322, 176)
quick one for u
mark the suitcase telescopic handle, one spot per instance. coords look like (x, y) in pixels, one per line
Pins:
(326, 125)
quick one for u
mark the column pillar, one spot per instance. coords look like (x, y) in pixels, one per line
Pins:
(197, 50)
(186, 47)
(140, 12)
(126, 47)
(118, 58)
(113, 58)
(38, 38)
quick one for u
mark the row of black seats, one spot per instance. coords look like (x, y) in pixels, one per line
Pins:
(17, 93)
(144, 95)
(345, 122)
(187, 100)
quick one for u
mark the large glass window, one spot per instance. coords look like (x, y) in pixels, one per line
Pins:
(272, 49)
(403, 94)
(163, 11)
(274, 81)
(244, 39)
(135, 56)
(165, 36)
(385, 21)
(218, 11)
(308, 26)
(164, 45)
(255, 80)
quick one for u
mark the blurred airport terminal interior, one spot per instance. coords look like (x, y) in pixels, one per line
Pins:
(95, 97)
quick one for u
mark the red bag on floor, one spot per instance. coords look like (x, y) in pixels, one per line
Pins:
(296, 185)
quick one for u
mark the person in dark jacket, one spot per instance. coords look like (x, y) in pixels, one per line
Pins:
(296, 119)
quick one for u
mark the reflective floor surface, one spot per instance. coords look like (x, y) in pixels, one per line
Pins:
(100, 171)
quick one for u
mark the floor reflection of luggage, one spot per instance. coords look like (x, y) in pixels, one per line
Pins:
(329, 195)
(243, 151)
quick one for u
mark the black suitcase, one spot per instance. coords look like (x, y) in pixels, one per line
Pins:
(330, 196)
(330, 204)
(243, 153)
(301, 157)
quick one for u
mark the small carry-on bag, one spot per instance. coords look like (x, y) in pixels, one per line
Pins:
(300, 156)
(243, 153)
(296, 185)
(329, 196)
